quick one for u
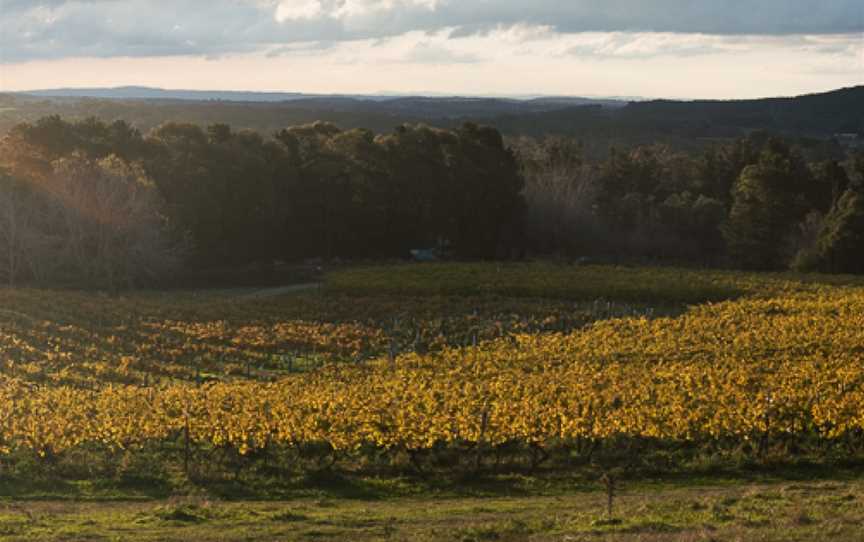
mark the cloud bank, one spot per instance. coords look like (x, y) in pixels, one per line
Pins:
(52, 29)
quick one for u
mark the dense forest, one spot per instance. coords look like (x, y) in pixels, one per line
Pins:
(101, 203)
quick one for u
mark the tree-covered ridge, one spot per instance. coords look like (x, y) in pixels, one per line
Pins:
(685, 124)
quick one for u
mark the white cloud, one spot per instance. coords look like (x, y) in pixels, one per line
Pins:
(295, 10)
(347, 9)
(343, 10)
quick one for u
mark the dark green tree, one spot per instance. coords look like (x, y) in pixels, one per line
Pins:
(831, 182)
(840, 247)
(487, 200)
(321, 199)
(769, 199)
(422, 189)
(218, 186)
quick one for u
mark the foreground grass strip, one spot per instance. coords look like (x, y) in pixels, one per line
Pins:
(775, 512)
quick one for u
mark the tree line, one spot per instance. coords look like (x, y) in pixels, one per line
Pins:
(92, 202)
(189, 196)
(755, 203)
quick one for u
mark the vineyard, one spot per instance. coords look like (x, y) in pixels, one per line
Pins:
(386, 366)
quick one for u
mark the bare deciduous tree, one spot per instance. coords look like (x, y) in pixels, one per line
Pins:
(560, 193)
(98, 222)
(14, 224)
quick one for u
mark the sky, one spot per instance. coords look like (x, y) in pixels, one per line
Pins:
(647, 48)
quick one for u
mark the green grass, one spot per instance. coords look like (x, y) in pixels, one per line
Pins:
(768, 512)
(584, 283)
(660, 286)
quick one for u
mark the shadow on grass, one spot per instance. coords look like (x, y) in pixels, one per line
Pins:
(330, 484)
(343, 485)
(39, 488)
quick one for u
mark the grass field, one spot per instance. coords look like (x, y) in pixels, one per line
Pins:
(439, 402)
(802, 511)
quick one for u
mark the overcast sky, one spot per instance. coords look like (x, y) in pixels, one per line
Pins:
(652, 48)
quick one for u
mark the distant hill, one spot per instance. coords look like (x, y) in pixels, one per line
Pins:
(148, 93)
(599, 122)
(839, 111)
(695, 124)
(425, 106)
